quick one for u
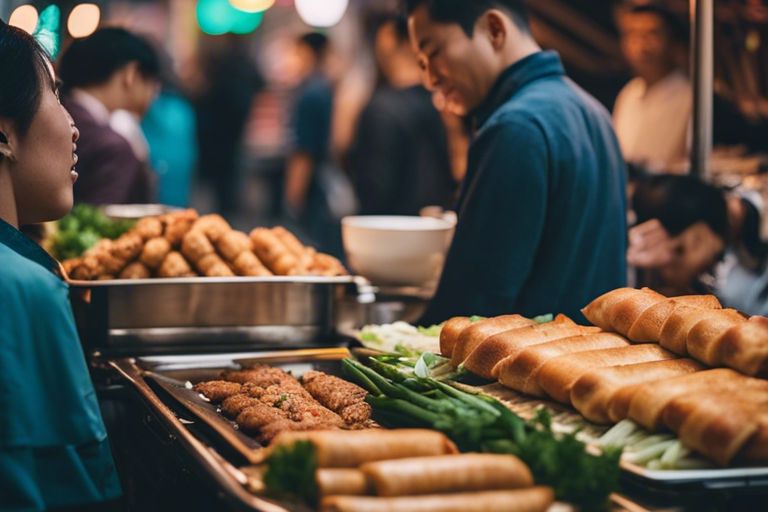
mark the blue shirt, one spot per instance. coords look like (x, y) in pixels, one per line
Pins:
(541, 214)
(54, 450)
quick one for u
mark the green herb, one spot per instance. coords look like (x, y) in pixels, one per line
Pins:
(433, 330)
(544, 319)
(475, 318)
(477, 422)
(82, 228)
(291, 471)
(369, 336)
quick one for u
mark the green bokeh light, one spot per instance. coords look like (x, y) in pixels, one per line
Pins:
(217, 17)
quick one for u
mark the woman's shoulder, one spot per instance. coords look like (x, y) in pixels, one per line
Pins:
(24, 278)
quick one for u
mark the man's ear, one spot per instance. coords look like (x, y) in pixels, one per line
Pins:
(129, 74)
(495, 25)
(6, 146)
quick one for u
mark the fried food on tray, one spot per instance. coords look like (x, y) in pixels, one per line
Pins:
(196, 245)
(155, 251)
(211, 265)
(231, 244)
(218, 390)
(247, 264)
(326, 265)
(149, 228)
(87, 269)
(213, 225)
(135, 270)
(235, 404)
(70, 265)
(127, 247)
(261, 375)
(174, 265)
(178, 224)
(270, 250)
(110, 264)
(342, 397)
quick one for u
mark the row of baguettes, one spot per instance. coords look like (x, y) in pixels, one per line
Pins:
(695, 326)
(607, 378)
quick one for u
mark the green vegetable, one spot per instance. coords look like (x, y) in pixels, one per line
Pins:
(544, 319)
(369, 336)
(291, 471)
(82, 228)
(475, 318)
(477, 422)
(432, 330)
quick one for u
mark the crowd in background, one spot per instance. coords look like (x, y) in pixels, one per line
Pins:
(389, 146)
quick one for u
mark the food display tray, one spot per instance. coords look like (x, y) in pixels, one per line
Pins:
(184, 315)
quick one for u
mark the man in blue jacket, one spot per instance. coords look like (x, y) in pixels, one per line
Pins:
(542, 226)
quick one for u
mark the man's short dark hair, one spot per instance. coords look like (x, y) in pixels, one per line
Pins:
(316, 42)
(677, 30)
(465, 13)
(94, 59)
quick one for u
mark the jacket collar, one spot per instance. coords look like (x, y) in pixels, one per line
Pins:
(529, 69)
(24, 246)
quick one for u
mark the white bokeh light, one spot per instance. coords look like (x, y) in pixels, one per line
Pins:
(83, 20)
(24, 17)
(321, 13)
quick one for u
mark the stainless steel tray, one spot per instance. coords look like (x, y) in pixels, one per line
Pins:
(186, 314)
(174, 377)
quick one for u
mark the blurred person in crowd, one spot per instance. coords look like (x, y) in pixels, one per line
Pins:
(112, 69)
(692, 237)
(54, 450)
(170, 128)
(223, 110)
(399, 160)
(541, 213)
(652, 112)
(306, 195)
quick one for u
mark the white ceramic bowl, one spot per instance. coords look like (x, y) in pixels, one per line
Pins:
(397, 251)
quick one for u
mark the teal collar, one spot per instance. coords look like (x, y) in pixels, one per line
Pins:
(20, 243)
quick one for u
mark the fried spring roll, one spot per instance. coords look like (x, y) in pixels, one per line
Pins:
(341, 481)
(272, 252)
(350, 449)
(247, 264)
(674, 334)
(593, 393)
(627, 311)
(449, 334)
(745, 347)
(448, 473)
(230, 245)
(520, 371)
(535, 499)
(651, 398)
(599, 310)
(557, 376)
(704, 338)
(196, 245)
(648, 326)
(480, 331)
(485, 359)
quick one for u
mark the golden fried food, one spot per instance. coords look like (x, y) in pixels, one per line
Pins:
(149, 228)
(110, 264)
(232, 244)
(213, 225)
(174, 265)
(177, 226)
(247, 264)
(155, 251)
(71, 264)
(340, 396)
(103, 246)
(196, 245)
(135, 270)
(217, 390)
(211, 265)
(220, 270)
(87, 269)
(273, 252)
(128, 247)
(105, 277)
(326, 265)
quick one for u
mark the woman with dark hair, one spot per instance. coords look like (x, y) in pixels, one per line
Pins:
(54, 451)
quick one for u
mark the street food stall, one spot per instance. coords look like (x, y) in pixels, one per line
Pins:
(252, 389)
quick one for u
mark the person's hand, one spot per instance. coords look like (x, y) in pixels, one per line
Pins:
(650, 246)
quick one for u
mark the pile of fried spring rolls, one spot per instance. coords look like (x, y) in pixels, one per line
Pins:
(415, 470)
(646, 358)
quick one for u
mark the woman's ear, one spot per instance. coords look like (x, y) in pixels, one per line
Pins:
(6, 151)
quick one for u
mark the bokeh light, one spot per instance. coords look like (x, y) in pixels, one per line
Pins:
(321, 13)
(83, 20)
(24, 17)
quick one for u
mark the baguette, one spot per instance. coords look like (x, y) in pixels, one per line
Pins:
(745, 347)
(535, 499)
(704, 339)
(483, 361)
(557, 376)
(594, 392)
(449, 334)
(648, 326)
(651, 398)
(520, 371)
(471, 336)
(448, 473)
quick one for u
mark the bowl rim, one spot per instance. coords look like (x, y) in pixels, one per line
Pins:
(438, 224)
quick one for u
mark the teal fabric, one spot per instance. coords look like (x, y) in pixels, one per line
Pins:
(54, 450)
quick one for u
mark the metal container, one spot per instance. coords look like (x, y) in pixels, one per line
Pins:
(209, 314)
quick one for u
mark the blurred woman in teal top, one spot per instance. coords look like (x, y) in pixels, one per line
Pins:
(54, 451)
